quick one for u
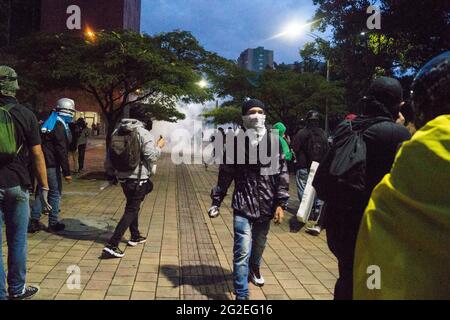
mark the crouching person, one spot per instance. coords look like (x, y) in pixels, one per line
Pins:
(130, 156)
(259, 197)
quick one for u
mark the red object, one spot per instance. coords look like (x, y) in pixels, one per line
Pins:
(351, 116)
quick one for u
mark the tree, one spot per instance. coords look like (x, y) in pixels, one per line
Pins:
(119, 69)
(228, 113)
(288, 96)
(411, 33)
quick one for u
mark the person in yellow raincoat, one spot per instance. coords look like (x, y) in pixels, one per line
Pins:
(403, 245)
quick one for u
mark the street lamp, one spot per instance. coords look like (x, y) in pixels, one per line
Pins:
(203, 83)
(315, 36)
(90, 34)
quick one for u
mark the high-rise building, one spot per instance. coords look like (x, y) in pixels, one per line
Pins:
(256, 60)
(62, 15)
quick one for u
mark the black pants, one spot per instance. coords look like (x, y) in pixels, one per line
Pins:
(342, 230)
(81, 153)
(130, 219)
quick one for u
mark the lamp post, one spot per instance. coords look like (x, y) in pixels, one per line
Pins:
(294, 30)
(315, 36)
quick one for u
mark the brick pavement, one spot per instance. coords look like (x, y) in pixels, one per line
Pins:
(187, 255)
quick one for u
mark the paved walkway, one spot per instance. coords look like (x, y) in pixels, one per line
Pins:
(187, 255)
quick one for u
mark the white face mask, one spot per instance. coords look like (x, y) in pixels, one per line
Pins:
(255, 124)
(254, 121)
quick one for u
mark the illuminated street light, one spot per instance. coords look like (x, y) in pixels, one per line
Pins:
(90, 34)
(293, 30)
(203, 83)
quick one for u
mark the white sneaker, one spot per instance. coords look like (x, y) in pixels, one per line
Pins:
(133, 242)
(314, 231)
(256, 278)
(214, 212)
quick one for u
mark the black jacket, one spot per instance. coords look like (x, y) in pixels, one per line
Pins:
(55, 146)
(382, 140)
(256, 195)
(301, 143)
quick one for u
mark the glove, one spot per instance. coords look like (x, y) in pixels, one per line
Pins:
(46, 207)
(214, 212)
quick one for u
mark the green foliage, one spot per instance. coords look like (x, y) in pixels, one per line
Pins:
(120, 68)
(411, 33)
(287, 94)
(224, 114)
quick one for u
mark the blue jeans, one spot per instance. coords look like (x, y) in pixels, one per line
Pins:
(301, 179)
(249, 243)
(14, 212)
(54, 197)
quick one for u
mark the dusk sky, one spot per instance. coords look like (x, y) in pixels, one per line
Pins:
(230, 26)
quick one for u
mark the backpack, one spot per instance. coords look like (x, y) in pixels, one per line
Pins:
(341, 175)
(317, 145)
(125, 150)
(8, 143)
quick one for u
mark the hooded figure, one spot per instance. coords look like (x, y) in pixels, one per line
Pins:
(136, 184)
(405, 231)
(259, 196)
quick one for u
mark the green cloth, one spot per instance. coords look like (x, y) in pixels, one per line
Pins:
(8, 81)
(405, 231)
(284, 145)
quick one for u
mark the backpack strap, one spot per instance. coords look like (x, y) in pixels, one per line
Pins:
(8, 107)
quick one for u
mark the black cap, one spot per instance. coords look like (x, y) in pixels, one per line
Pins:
(386, 90)
(312, 115)
(252, 103)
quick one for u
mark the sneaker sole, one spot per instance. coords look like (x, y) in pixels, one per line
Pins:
(134, 244)
(313, 233)
(256, 283)
(112, 253)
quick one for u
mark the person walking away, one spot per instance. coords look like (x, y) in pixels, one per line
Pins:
(82, 142)
(309, 144)
(56, 138)
(258, 198)
(73, 146)
(19, 143)
(130, 158)
(376, 139)
(410, 209)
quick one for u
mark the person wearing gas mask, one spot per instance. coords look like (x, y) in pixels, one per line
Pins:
(56, 137)
(258, 197)
(20, 142)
